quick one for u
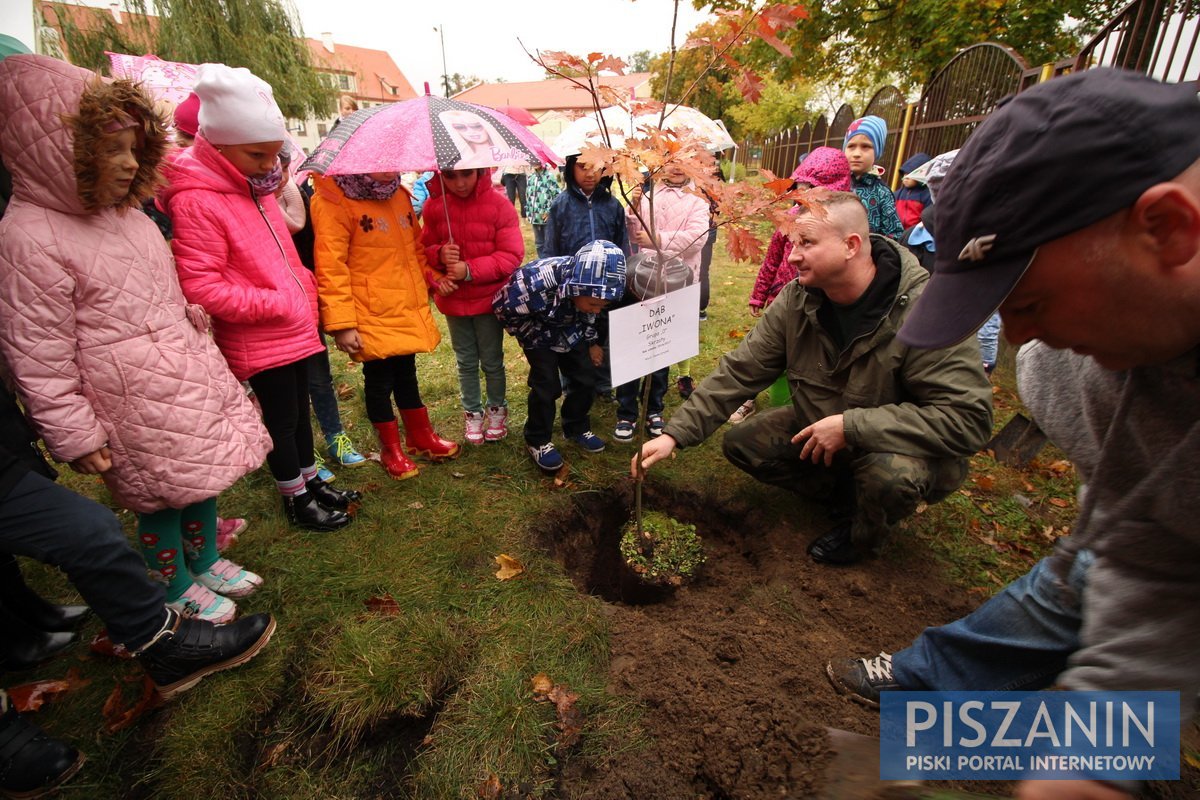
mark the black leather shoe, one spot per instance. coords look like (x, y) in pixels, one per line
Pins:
(331, 498)
(835, 547)
(188, 649)
(30, 608)
(22, 647)
(31, 763)
(304, 510)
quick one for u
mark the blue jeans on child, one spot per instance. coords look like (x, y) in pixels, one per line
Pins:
(1020, 639)
(629, 395)
(989, 339)
(320, 392)
(539, 238)
(478, 341)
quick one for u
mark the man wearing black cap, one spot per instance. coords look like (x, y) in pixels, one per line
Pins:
(1075, 208)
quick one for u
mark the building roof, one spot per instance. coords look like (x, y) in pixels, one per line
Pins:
(558, 94)
(376, 74)
(378, 79)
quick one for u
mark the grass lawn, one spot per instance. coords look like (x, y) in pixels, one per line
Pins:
(428, 693)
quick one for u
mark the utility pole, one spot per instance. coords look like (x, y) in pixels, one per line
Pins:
(445, 75)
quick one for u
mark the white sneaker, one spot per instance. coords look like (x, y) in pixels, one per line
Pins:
(227, 578)
(202, 603)
(497, 424)
(744, 410)
(473, 427)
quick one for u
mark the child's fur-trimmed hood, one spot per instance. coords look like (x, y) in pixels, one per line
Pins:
(54, 119)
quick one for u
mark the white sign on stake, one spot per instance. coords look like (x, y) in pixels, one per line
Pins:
(654, 333)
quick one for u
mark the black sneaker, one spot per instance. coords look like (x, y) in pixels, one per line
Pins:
(32, 764)
(187, 650)
(835, 547)
(862, 679)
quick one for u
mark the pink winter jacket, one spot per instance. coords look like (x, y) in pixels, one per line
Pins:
(486, 229)
(92, 320)
(236, 258)
(680, 221)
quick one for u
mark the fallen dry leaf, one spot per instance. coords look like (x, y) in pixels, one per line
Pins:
(986, 482)
(30, 696)
(385, 606)
(1059, 502)
(509, 567)
(489, 789)
(457, 475)
(103, 646)
(570, 718)
(737, 333)
(416, 505)
(117, 717)
(541, 685)
(345, 391)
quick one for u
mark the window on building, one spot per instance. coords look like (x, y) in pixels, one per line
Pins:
(344, 83)
(322, 129)
(299, 127)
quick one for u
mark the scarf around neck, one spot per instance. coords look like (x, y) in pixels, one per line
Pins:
(364, 187)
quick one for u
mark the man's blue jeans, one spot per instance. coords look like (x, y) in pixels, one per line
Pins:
(1020, 639)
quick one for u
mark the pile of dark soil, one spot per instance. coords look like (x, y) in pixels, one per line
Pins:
(730, 669)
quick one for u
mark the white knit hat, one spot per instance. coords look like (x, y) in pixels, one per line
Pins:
(237, 107)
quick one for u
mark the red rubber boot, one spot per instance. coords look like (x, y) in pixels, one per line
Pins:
(421, 439)
(391, 454)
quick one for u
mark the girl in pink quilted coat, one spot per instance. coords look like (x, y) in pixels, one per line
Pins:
(114, 367)
(235, 258)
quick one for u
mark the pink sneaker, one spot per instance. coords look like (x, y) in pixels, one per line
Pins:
(227, 578)
(201, 603)
(228, 530)
(497, 424)
(473, 426)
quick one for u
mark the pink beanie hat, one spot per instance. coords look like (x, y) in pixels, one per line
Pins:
(825, 168)
(187, 115)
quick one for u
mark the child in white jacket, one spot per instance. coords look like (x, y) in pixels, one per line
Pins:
(674, 222)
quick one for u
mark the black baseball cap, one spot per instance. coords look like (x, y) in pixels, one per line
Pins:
(1056, 158)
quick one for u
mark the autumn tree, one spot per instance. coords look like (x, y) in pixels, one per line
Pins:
(640, 61)
(863, 43)
(262, 35)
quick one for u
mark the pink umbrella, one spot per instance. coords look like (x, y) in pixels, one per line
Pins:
(519, 114)
(426, 133)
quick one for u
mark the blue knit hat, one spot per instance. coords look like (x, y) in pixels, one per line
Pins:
(874, 128)
(598, 271)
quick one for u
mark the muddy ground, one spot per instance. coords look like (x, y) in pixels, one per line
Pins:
(730, 669)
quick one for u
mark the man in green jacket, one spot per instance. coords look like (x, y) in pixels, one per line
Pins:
(875, 427)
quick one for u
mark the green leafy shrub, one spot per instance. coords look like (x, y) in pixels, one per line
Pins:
(667, 553)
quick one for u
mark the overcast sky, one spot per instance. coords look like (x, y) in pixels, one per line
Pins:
(481, 37)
